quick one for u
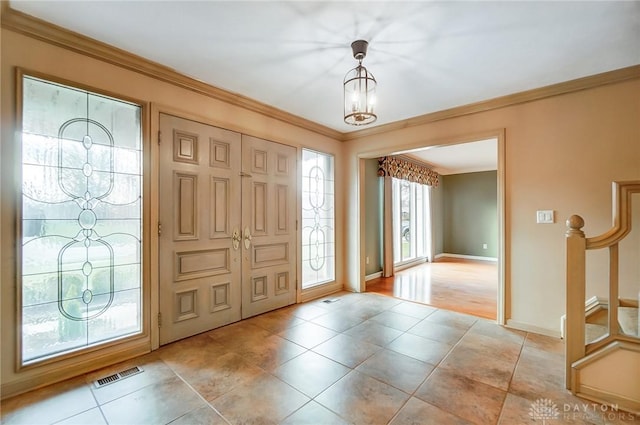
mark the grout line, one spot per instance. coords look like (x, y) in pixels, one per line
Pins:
(198, 394)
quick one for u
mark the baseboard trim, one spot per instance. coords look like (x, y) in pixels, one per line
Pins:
(465, 257)
(71, 369)
(408, 264)
(372, 276)
(616, 402)
(521, 326)
(319, 291)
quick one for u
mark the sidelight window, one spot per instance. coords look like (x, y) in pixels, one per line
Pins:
(318, 218)
(81, 219)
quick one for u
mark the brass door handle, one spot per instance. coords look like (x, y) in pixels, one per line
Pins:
(247, 237)
(235, 237)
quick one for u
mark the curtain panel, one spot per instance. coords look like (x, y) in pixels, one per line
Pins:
(406, 169)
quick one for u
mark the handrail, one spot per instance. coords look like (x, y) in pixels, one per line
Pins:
(577, 245)
(621, 211)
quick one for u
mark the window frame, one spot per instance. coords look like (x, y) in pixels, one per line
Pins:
(331, 280)
(112, 347)
(414, 223)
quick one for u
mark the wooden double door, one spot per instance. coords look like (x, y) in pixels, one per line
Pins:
(227, 234)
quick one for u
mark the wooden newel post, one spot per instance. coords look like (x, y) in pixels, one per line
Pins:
(575, 295)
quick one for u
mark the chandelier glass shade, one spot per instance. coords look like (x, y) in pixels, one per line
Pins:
(359, 90)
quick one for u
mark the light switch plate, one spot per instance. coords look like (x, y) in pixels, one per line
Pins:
(545, 217)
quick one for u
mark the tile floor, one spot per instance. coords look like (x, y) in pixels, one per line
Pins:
(363, 359)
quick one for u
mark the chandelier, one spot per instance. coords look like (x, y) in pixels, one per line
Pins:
(359, 90)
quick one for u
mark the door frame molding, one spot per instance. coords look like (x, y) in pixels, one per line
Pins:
(504, 284)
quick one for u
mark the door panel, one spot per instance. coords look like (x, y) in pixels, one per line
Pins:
(268, 219)
(200, 268)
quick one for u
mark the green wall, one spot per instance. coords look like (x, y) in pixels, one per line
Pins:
(437, 218)
(470, 213)
(373, 217)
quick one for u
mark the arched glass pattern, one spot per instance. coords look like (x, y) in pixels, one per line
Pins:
(318, 218)
(81, 216)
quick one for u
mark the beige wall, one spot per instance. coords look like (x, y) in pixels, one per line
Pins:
(561, 153)
(33, 55)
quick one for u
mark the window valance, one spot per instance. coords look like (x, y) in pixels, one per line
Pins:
(406, 169)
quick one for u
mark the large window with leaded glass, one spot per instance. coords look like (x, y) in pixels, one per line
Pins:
(80, 241)
(318, 218)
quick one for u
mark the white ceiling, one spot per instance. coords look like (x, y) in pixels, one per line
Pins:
(427, 56)
(468, 157)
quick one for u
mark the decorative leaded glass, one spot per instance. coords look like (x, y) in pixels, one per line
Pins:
(318, 218)
(81, 219)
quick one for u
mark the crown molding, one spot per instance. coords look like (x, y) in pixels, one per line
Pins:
(45, 31)
(36, 28)
(584, 83)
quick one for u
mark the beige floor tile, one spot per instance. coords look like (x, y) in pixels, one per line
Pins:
(261, 371)
(419, 311)
(379, 301)
(437, 332)
(509, 350)
(90, 417)
(311, 373)
(155, 404)
(517, 411)
(545, 343)
(313, 413)
(307, 311)
(205, 415)
(154, 370)
(239, 334)
(480, 362)
(266, 400)
(365, 311)
(398, 321)
(539, 374)
(474, 401)
(423, 349)
(270, 352)
(453, 319)
(308, 334)
(418, 412)
(195, 350)
(373, 333)
(363, 400)
(521, 411)
(491, 329)
(339, 321)
(49, 404)
(217, 375)
(276, 321)
(398, 370)
(347, 350)
(337, 302)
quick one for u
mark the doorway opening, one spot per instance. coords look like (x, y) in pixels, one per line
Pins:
(464, 268)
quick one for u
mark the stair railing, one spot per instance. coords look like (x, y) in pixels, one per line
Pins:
(576, 246)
